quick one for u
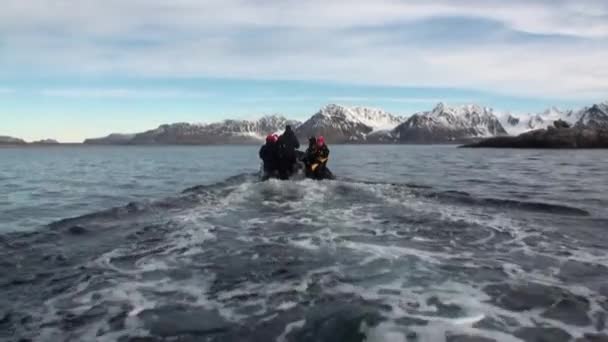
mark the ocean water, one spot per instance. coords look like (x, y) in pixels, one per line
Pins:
(410, 243)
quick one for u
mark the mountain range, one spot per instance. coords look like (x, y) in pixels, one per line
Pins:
(449, 124)
(338, 124)
(341, 124)
(348, 124)
(225, 132)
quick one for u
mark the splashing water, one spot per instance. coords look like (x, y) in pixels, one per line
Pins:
(304, 261)
(344, 260)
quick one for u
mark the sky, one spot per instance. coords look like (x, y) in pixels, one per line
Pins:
(73, 69)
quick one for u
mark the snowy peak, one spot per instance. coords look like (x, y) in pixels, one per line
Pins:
(552, 112)
(340, 124)
(466, 111)
(595, 116)
(510, 120)
(469, 121)
(260, 127)
(515, 125)
(337, 124)
(377, 119)
(233, 131)
(450, 124)
(224, 132)
(442, 109)
(442, 124)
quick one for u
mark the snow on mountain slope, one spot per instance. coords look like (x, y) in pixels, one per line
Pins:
(515, 125)
(445, 124)
(595, 116)
(225, 132)
(347, 124)
(256, 129)
(377, 119)
(340, 124)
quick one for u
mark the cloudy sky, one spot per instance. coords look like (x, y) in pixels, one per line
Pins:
(71, 69)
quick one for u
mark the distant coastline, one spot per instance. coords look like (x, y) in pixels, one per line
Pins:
(83, 145)
(472, 125)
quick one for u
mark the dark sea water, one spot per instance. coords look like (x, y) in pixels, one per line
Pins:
(411, 243)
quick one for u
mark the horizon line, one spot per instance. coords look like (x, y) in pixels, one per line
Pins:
(287, 117)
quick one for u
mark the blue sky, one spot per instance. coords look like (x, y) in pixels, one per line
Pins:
(75, 69)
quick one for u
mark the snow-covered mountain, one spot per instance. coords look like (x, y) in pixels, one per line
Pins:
(377, 119)
(590, 130)
(595, 116)
(225, 132)
(515, 125)
(449, 124)
(340, 124)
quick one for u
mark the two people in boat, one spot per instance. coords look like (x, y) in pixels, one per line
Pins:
(282, 158)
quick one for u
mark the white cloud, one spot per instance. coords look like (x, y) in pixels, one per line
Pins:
(339, 40)
(576, 17)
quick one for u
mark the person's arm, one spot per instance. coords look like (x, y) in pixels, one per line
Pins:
(261, 153)
(325, 151)
(311, 155)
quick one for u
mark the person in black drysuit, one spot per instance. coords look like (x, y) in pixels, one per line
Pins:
(323, 150)
(288, 144)
(310, 155)
(269, 153)
(317, 154)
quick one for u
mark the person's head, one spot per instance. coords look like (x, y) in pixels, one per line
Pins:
(288, 128)
(312, 141)
(271, 138)
(320, 141)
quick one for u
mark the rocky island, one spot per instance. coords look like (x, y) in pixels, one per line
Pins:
(6, 140)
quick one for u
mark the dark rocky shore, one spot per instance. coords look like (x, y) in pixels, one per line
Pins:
(552, 137)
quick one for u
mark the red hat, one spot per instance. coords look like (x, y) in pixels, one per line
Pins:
(270, 138)
(320, 141)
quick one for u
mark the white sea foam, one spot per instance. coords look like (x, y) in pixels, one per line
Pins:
(397, 262)
(289, 328)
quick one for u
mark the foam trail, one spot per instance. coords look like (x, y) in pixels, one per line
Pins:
(271, 259)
